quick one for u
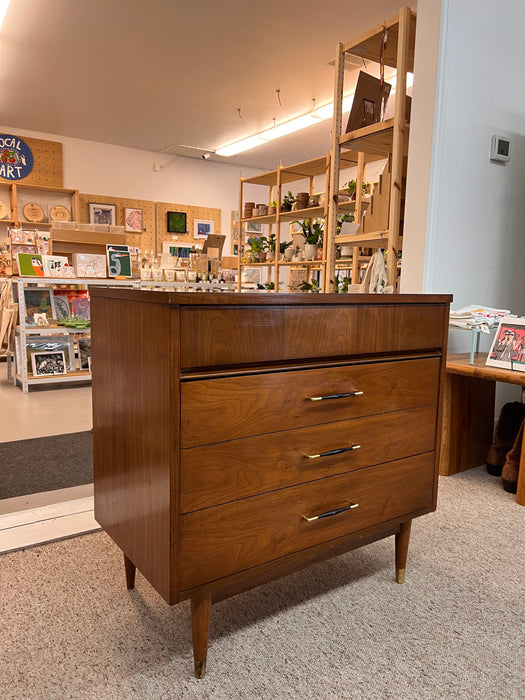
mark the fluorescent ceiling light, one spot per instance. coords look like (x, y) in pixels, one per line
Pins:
(4, 4)
(289, 127)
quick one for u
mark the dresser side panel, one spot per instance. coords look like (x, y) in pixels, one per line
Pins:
(132, 431)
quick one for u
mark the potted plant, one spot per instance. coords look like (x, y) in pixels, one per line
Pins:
(270, 247)
(312, 286)
(287, 203)
(272, 207)
(313, 237)
(286, 250)
(351, 186)
(258, 247)
(346, 249)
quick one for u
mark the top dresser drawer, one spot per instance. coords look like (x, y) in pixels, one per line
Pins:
(215, 410)
(238, 335)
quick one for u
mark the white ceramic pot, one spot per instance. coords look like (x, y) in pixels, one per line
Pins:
(310, 251)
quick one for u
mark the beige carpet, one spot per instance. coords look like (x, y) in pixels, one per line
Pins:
(345, 629)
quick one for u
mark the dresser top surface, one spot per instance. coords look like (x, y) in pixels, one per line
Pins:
(257, 299)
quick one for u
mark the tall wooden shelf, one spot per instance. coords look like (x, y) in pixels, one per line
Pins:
(383, 140)
(386, 140)
(274, 181)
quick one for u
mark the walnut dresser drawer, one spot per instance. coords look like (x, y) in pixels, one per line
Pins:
(238, 438)
(216, 542)
(269, 462)
(214, 410)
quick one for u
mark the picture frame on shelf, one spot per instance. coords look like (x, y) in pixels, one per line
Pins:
(105, 214)
(38, 301)
(508, 345)
(119, 260)
(30, 264)
(62, 307)
(176, 222)
(202, 228)
(133, 220)
(253, 227)
(48, 363)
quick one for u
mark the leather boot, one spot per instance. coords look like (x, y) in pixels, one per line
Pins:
(507, 427)
(509, 474)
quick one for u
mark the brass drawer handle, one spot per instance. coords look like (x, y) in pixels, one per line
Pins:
(329, 513)
(338, 451)
(334, 396)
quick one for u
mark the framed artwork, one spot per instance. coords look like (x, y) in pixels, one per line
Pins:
(30, 264)
(508, 347)
(119, 260)
(54, 265)
(40, 301)
(176, 222)
(62, 308)
(105, 214)
(45, 364)
(202, 228)
(133, 220)
(253, 227)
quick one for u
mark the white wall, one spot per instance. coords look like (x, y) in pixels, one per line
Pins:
(475, 232)
(99, 168)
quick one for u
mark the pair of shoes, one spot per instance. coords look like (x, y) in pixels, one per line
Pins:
(507, 427)
(509, 473)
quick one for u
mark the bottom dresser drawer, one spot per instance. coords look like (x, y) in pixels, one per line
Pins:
(223, 540)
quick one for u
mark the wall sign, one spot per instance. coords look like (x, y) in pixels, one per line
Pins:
(16, 158)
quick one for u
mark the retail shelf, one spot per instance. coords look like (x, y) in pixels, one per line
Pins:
(377, 239)
(53, 330)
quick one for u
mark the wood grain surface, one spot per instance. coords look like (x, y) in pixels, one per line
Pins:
(216, 410)
(218, 541)
(227, 471)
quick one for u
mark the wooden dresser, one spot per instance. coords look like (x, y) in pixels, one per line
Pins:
(239, 437)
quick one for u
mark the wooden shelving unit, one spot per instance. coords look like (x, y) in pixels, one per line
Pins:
(273, 182)
(383, 140)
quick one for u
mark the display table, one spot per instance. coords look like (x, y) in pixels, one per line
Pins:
(468, 414)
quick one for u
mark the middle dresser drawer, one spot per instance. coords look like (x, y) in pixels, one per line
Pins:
(220, 409)
(227, 471)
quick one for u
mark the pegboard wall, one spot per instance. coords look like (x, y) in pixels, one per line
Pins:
(145, 240)
(47, 163)
(192, 214)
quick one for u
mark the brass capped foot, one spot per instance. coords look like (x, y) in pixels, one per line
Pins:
(200, 669)
(400, 575)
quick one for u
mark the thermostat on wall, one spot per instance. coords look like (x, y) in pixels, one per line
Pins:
(499, 148)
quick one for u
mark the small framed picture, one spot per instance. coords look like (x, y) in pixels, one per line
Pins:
(133, 220)
(105, 214)
(40, 300)
(201, 229)
(508, 347)
(47, 364)
(253, 227)
(176, 222)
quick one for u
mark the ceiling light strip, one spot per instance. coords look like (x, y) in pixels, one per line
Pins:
(289, 127)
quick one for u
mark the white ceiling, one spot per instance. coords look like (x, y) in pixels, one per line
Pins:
(155, 75)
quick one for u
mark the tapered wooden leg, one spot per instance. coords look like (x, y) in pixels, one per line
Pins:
(402, 540)
(130, 573)
(200, 624)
